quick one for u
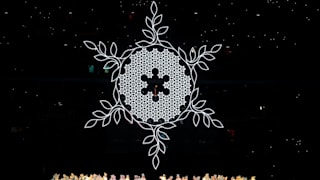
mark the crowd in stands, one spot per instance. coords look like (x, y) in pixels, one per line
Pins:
(105, 176)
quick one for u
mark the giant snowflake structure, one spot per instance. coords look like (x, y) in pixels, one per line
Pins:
(155, 85)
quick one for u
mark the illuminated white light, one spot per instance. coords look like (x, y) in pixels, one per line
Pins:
(261, 107)
(147, 58)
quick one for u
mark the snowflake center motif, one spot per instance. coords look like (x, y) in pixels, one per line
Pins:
(155, 85)
(148, 73)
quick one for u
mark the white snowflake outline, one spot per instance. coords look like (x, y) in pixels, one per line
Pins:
(118, 110)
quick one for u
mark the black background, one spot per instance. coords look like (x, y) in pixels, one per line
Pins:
(263, 86)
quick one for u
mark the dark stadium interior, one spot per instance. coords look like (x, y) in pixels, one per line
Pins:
(264, 87)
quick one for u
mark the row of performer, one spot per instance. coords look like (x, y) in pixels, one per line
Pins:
(207, 176)
(105, 176)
